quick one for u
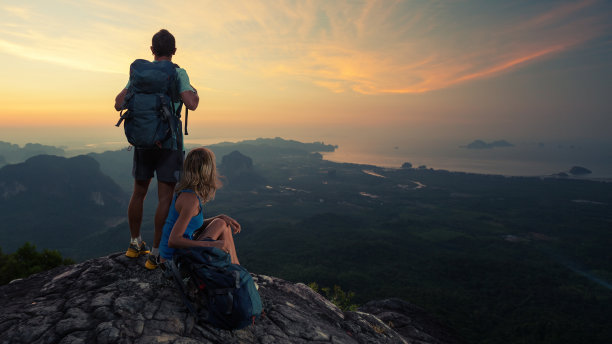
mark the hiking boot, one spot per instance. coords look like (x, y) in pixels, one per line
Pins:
(152, 262)
(134, 251)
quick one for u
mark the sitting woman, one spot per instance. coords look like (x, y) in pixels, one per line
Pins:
(186, 225)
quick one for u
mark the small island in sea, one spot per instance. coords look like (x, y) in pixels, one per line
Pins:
(480, 144)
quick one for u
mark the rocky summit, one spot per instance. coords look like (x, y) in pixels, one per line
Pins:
(114, 299)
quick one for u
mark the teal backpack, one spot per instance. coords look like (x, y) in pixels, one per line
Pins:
(226, 293)
(151, 120)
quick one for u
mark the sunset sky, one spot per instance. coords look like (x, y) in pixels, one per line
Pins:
(316, 69)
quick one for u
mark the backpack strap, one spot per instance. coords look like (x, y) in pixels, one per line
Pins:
(166, 114)
(178, 113)
(122, 116)
(186, 115)
(181, 286)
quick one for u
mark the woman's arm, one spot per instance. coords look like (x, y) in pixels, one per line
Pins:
(187, 205)
(236, 228)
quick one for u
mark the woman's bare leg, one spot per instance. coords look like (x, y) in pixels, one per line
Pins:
(218, 229)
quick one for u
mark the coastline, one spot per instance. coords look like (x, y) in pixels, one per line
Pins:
(461, 164)
(524, 160)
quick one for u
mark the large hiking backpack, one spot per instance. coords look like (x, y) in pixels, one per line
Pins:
(151, 120)
(228, 291)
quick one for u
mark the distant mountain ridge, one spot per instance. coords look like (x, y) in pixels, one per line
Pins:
(69, 193)
(267, 149)
(118, 164)
(12, 153)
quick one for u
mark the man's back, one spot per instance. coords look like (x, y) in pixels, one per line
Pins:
(160, 160)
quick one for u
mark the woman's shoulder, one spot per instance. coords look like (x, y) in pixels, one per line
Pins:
(188, 203)
(183, 197)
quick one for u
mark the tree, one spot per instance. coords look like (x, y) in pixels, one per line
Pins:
(337, 296)
(27, 261)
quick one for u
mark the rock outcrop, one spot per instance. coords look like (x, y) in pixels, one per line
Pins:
(236, 161)
(238, 173)
(480, 144)
(579, 171)
(114, 299)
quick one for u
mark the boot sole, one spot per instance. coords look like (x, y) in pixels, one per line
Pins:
(135, 254)
(150, 265)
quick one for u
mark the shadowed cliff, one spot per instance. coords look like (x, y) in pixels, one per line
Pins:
(61, 203)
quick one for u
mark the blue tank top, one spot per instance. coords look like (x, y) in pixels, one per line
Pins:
(195, 223)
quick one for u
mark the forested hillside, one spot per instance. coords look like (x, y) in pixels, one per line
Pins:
(499, 259)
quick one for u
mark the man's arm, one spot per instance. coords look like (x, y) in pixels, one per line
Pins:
(190, 99)
(119, 99)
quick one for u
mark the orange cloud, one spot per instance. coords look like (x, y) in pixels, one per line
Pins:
(248, 47)
(378, 57)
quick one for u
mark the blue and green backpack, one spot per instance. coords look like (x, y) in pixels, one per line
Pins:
(230, 297)
(151, 119)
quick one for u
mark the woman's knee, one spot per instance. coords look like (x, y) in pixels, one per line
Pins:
(219, 223)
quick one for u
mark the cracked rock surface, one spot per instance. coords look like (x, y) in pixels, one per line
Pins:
(114, 299)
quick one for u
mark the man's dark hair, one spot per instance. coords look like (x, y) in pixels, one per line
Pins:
(163, 43)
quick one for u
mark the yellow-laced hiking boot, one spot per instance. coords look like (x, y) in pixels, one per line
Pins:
(152, 262)
(134, 251)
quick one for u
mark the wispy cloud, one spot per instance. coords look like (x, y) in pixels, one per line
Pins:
(84, 35)
(378, 47)
(370, 47)
(393, 48)
(19, 12)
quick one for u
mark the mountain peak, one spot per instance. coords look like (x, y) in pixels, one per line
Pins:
(114, 299)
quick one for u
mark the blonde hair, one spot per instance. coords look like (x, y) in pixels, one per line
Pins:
(200, 174)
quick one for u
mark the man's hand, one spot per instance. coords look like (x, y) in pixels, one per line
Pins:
(190, 98)
(119, 99)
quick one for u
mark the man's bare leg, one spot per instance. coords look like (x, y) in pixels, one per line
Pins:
(165, 192)
(135, 208)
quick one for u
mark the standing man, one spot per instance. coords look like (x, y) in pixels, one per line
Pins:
(165, 162)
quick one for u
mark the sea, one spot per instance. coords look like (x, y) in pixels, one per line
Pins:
(522, 158)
